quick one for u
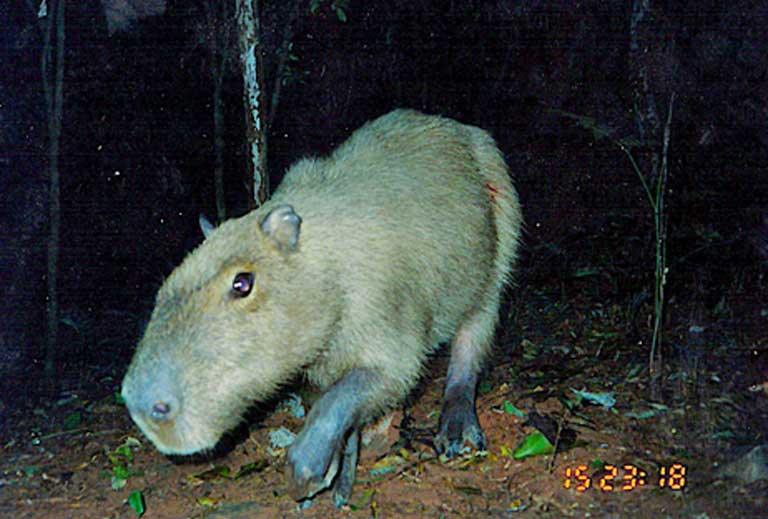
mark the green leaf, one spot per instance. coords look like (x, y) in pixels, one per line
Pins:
(364, 500)
(250, 468)
(125, 451)
(216, 473)
(136, 500)
(509, 408)
(535, 444)
(121, 471)
(484, 387)
(69, 322)
(603, 335)
(341, 15)
(30, 470)
(387, 465)
(568, 403)
(630, 142)
(72, 421)
(598, 130)
(530, 349)
(650, 413)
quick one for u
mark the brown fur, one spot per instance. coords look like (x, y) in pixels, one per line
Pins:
(409, 230)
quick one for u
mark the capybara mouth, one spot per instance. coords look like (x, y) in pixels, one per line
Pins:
(177, 437)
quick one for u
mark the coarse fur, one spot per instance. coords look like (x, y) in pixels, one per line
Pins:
(408, 233)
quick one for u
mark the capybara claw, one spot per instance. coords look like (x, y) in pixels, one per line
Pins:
(340, 499)
(309, 472)
(456, 432)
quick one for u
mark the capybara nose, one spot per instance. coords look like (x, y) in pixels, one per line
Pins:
(154, 406)
(161, 411)
(154, 401)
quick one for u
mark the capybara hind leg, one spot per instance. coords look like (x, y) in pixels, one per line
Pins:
(323, 450)
(458, 418)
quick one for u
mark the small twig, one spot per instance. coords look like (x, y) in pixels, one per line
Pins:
(560, 425)
(79, 431)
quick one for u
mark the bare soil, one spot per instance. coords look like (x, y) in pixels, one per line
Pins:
(49, 471)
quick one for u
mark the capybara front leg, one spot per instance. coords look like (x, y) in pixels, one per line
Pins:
(342, 487)
(326, 448)
(458, 418)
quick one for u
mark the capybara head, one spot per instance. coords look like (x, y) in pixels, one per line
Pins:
(219, 337)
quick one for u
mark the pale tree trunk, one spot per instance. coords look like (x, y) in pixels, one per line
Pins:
(251, 61)
(53, 87)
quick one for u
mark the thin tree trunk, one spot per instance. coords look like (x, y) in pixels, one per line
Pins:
(249, 37)
(219, 26)
(218, 149)
(647, 118)
(285, 49)
(54, 95)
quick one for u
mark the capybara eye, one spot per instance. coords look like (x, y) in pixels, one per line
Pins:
(242, 284)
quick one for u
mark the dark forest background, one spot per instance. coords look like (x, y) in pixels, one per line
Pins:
(137, 158)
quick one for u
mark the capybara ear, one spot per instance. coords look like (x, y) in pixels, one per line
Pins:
(205, 225)
(282, 226)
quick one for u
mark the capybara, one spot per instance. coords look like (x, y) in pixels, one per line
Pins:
(359, 266)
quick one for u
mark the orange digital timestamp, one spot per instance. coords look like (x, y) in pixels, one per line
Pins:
(624, 478)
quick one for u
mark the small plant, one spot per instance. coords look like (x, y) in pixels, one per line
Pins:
(655, 189)
(121, 458)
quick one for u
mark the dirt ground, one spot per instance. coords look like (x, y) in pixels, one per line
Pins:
(62, 460)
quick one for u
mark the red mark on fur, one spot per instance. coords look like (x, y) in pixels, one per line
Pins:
(493, 191)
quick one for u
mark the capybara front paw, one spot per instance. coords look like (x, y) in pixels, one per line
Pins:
(342, 487)
(457, 428)
(309, 472)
